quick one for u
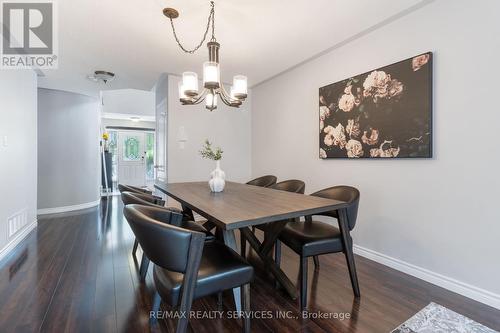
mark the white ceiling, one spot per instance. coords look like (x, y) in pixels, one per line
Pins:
(259, 38)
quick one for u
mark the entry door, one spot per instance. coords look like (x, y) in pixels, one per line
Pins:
(132, 158)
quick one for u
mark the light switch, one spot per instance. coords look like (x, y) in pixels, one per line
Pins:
(5, 141)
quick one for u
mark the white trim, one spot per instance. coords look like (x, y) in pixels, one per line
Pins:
(21, 235)
(65, 209)
(459, 287)
(127, 116)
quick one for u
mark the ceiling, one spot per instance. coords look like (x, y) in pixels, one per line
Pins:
(259, 38)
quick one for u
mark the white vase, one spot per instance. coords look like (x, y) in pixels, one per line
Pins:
(217, 179)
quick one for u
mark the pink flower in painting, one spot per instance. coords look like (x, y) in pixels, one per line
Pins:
(335, 136)
(376, 84)
(346, 102)
(385, 150)
(322, 153)
(395, 88)
(352, 128)
(354, 149)
(328, 140)
(379, 84)
(322, 100)
(370, 137)
(419, 61)
(328, 137)
(324, 112)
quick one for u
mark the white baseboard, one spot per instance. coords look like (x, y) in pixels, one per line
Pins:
(464, 289)
(17, 239)
(56, 210)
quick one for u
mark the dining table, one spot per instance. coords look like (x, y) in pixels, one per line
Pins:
(241, 206)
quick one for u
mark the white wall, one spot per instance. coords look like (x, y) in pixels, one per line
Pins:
(439, 214)
(68, 150)
(131, 102)
(18, 162)
(227, 127)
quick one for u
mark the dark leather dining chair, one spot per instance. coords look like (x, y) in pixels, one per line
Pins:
(313, 238)
(135, 189)
(292, 185)
(264, 181)
(130, 198)
(185, 266)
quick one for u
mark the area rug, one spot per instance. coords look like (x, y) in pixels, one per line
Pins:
(435, 318)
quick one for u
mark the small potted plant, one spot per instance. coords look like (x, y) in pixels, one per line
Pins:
(217, 177)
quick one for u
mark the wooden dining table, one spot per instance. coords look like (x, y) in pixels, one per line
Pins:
(242, 206)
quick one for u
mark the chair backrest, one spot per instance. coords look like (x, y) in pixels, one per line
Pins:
(129, 198)
(134, 189)
(344, 193)
(167, 246)
(292, 185)
(264, 181)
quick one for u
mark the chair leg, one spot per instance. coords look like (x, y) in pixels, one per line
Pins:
(156, 307)
(316, 262)
(134, 249)
(245, 307)
(303, 283)
(277, 259)
(219, 301)
(243, 245)
(349, 255)
(143, 270)
(183, 321)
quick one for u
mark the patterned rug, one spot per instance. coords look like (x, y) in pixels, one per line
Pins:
(435, 318)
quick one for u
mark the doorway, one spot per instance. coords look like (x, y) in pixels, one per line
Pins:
(133, 157)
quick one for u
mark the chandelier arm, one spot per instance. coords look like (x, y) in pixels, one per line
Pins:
(228, 100)
(209, 21)
(201, 97)
(224, 100)
(228, 96)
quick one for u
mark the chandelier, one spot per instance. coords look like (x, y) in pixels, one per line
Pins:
(213, 88)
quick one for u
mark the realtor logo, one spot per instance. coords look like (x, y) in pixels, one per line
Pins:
(29, 35)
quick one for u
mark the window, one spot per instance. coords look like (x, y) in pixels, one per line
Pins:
(150, 149)
(113, 149)
(131, 151)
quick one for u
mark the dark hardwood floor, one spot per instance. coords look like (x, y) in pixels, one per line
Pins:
(75, 273)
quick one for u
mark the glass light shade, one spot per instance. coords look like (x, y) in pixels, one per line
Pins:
(190, 83)
(211, 74)
(231, 92)
(182, 93)
(211, 101)
(240, 86)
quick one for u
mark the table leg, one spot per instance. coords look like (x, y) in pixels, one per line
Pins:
(271, 235)
(230, 241)
(209, 225)
(188, 212)
(268, 260)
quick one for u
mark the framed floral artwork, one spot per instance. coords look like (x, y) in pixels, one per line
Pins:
(383, 113)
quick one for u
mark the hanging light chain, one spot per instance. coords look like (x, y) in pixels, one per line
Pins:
(211, 20)
(212, 12)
